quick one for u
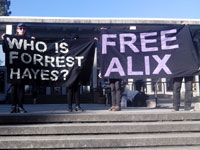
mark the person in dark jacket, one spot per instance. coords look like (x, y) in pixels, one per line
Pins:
(73, 91)
(17, 94)
(188, 93)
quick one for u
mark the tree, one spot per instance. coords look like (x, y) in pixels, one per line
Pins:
(4, 8)
(1, 62)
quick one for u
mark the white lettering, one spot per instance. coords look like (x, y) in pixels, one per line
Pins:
(35, 73)
(79, 58)
(14, 42)
(106, 43)
(54, 74)
(49, 60)
(130, 66)
(17, 73)
(37, 58)
(29, 58)
(128, 43)
(145, 41)
(64, 48)
(70, 61)
(162, 64)
(41, 46)
(60, 61)
(31, 44)
(27, 73)
(119, 69)
(44, 74)
(165, 39)
(12, 55)
(147, 65)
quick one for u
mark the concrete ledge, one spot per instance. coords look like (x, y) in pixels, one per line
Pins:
(99, 141)
(96, 117)
(152, 148)
(100, 128)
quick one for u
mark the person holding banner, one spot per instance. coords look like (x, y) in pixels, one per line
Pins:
(115, 85)
(73, 91)
(17, 94)
(177, 81)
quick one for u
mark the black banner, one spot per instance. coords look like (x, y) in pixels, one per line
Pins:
(59, 63)
(165, 52)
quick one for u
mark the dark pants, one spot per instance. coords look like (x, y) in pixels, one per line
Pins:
(17, 95)
(188, 92)
(115, 91)
(73, 92)
(34, 91)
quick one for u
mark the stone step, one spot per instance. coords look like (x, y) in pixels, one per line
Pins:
(99, 141)
(122, 116)
(100, 128)
(149, 148)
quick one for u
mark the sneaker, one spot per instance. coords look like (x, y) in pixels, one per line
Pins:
(189, 109)
(111, 108)
(78, 109)
(21, 110)
(117, 108)
(175, 110)
(13, 109)
(69, 109)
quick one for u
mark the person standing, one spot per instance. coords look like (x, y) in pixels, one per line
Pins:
(34, 91)
(177, 81)
(115, 85)
(73, 91)
(17, 94)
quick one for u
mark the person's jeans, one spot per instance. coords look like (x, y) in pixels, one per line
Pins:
(188, 92)
(115, 91)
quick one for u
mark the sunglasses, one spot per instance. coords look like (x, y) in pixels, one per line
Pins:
(21, 28)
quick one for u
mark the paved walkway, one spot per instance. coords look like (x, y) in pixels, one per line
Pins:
(164, 105)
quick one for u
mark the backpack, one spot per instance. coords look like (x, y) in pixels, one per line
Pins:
(138, 101)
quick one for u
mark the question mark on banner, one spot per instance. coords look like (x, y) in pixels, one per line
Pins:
(65, 73)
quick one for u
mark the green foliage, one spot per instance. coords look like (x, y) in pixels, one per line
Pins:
(4, 8)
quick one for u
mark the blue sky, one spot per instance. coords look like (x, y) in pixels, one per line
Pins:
(184, 9)
(107, 8)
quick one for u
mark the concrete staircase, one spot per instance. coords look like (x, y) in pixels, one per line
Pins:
(140, 130)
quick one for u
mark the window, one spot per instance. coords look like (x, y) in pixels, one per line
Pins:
(56, 90)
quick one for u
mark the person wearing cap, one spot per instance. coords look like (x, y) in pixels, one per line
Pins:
(17, 94)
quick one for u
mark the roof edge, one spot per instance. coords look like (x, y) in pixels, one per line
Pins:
(26, 19)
